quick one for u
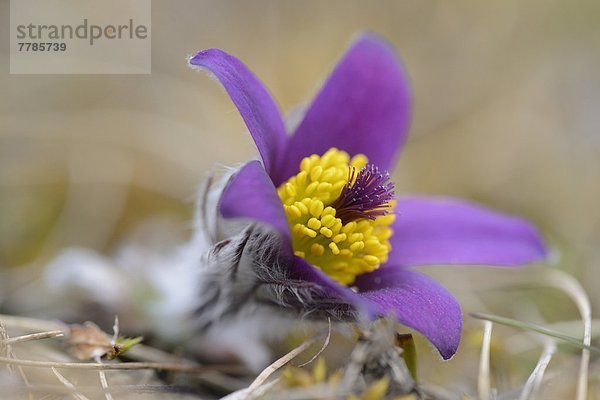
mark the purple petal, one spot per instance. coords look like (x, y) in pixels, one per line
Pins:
(251, 194)
(418, 302)
(440, 230)
(364, 107)
(255, 104)
(306, 272)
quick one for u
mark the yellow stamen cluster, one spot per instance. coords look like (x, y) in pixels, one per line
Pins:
(341, 250)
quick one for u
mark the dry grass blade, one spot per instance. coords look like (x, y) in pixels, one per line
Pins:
(535, 328)
(322, 349)
(104, 384)
(260, 385)
(569, 285)
(483, 379)
(535, 379)
(33, 336)
(7, 353)
(68, 385)
(132, 365)
(247, 393)
(4, 338)
(267, 372)
(569, 328)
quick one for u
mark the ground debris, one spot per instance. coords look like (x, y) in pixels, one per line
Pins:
(377, 366)
(89, 342)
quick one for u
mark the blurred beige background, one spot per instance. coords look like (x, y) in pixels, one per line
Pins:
(506, 96)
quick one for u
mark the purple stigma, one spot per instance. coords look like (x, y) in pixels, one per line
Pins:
(366, 197)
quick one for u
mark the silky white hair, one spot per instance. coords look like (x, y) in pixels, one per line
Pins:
(228, 290)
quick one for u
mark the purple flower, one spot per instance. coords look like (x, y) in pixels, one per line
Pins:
(363, 110)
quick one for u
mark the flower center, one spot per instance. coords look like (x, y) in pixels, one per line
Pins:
(339, 212)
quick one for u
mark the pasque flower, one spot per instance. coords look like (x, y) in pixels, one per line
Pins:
(325, 190)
